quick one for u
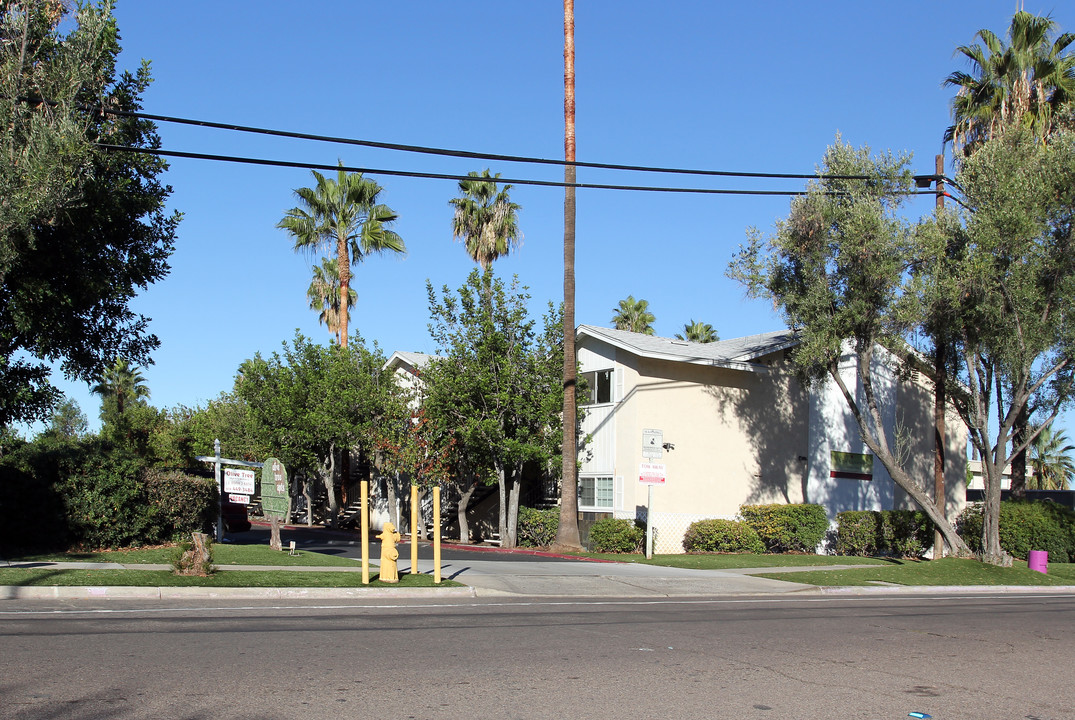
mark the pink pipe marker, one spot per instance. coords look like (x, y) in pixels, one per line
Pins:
(1038, 560)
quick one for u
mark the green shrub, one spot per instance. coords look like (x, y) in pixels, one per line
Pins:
(617, 535)
(858, 532)
(787, 528)
(1024, 526)
(537, 528)
(184, 503)
(906, 533)
(106, 502)
(721, 536)
(903, 533)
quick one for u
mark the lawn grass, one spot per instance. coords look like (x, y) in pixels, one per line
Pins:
(725, 561)
(947, 571)
(164, 578)
(223, 555)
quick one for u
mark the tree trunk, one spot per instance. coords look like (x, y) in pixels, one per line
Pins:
(939, 431)
(343, 265)
(422, 534)
(567, 537)
(328, 477)
(1019, 436)
(390, 497)
(308, 493)
(502, 491)
(992, 552)
(461, 512)
(514, 491)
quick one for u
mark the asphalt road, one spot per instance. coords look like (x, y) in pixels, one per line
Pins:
(822, 657)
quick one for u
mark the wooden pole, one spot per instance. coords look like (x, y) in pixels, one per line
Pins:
(365, 515)
(436, 535)
(414, 529)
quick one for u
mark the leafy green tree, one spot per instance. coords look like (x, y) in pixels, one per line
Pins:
(698, 332)
(343, 215)
(633, 316)
(82, 229)
(496, 384)
(225, 418)
(1050, 457)
(1019, 84)
(1015, 280)
(1022, 82)
(324, 295)
(68, 421)
(308, 403)
(835, 268)
(485, 218)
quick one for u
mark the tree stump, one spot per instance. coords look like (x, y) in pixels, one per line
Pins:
(198, 560)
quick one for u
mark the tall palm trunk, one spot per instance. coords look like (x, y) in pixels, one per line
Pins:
(567, 537)
(344, 267)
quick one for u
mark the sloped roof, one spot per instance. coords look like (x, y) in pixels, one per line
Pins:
(739, 353)
(409, 360)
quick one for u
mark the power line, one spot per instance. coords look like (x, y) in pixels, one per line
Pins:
(402, 147)
(448, 176)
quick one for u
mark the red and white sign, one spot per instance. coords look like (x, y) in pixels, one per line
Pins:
(239, 481)
(651, 473)
(239, 499)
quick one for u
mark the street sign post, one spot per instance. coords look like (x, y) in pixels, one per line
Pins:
(651, 474)
(217, 462)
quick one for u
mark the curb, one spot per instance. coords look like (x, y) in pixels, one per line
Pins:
(52, 592)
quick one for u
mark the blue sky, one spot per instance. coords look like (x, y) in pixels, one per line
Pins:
(688, 83)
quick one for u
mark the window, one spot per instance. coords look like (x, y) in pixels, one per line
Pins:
(598, 384)
(851, 466)
(595, 493)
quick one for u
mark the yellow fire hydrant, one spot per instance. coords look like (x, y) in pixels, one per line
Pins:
(389, 554)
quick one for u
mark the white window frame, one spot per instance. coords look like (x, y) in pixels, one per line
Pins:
(609, 491)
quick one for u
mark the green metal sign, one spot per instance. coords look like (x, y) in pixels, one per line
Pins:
(274, 489)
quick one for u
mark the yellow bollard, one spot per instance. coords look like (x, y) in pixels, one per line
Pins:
(365, 515)
(414, 529)
(436, 535)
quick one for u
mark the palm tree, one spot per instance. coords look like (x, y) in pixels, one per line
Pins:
(1053, 466)
(698, 332)
(324, 296)
(485, 219)
(344, 215)
(634, 316)
(120, 386)
(1023, 81)
(567, 536)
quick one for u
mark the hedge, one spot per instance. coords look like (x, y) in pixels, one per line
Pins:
(537, 528)
(184, 503)
(617, 535)
(721, 536)
(787, 528)
(1024, 526)
(903, 533)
